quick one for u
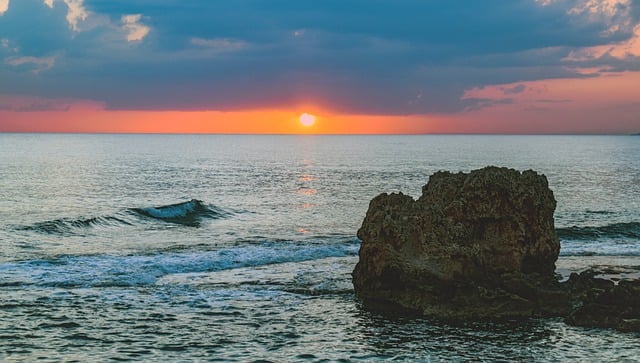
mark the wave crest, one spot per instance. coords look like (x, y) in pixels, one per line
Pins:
(190, 213)
(67, 226)
(187, 213)
(616, 230)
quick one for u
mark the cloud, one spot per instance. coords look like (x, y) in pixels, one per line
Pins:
(543, 100)
(4, 6)
(513, 90)
(131, 25)
(222, 44)
(475, 104)
(39, 104)
(34, 107)
(76, 12)
(7, 45)
(34, 64)
(400, 57)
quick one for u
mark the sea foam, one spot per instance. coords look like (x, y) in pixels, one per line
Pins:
(140, 270)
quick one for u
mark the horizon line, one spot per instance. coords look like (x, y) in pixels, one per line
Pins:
(320, 134)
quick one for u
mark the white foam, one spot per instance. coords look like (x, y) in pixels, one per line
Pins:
(590, 248)
(173, 211)
(138, 270)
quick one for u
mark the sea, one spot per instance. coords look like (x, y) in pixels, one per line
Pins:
(240, 248)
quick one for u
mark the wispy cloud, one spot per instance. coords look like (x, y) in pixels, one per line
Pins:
(134, 29)
(34, 107)
(40, 104)
(76, 12)
(5, 43)
(35, 64)
(513, 90)
(222, 44)
(4, 6)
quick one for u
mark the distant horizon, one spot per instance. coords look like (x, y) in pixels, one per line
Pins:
(314, 134)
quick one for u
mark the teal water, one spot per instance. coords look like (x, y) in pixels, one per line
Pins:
(240, 248)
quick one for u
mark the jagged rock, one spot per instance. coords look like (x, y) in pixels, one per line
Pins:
(481, 245)
(473, 245)
(601, 303)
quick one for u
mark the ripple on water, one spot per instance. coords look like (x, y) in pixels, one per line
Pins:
(267, 313)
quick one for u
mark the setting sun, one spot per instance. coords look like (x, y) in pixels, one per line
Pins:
(307, 119)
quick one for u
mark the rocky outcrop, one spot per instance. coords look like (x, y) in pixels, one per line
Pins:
(474, 245)
(601, 303)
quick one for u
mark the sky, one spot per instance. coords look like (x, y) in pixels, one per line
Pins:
(374, 66)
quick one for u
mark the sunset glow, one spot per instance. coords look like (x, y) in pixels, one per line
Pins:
(131, 70)
(307, 120)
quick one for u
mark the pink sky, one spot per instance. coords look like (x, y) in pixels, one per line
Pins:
(607, 104)
(533, 66)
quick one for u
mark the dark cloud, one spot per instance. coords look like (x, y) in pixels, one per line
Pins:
(514, 90)
(36, 106)
(374, 56)
(474, 104)
(35, 28)
(545, 100)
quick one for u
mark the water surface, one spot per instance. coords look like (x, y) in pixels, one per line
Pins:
(240, 248)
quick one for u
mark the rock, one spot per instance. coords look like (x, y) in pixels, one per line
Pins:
(481, 244)
(629, 325)
(600, 303)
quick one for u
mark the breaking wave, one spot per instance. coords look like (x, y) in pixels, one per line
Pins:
(141, 270)
(617, 239)
(190, 213)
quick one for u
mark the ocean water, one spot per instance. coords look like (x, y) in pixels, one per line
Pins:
(240, 248)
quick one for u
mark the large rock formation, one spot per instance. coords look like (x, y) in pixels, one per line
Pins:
(480, 245)
(476, 244)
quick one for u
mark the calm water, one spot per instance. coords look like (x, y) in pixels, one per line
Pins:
(240, 248)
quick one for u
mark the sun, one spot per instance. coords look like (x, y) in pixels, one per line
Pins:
(307, 119)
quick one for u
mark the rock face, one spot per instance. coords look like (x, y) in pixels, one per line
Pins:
(476, 246)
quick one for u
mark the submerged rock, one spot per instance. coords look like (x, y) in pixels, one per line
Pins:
(476, 245)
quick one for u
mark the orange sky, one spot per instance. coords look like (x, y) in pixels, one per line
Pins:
(605, 104)
(247, 122)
